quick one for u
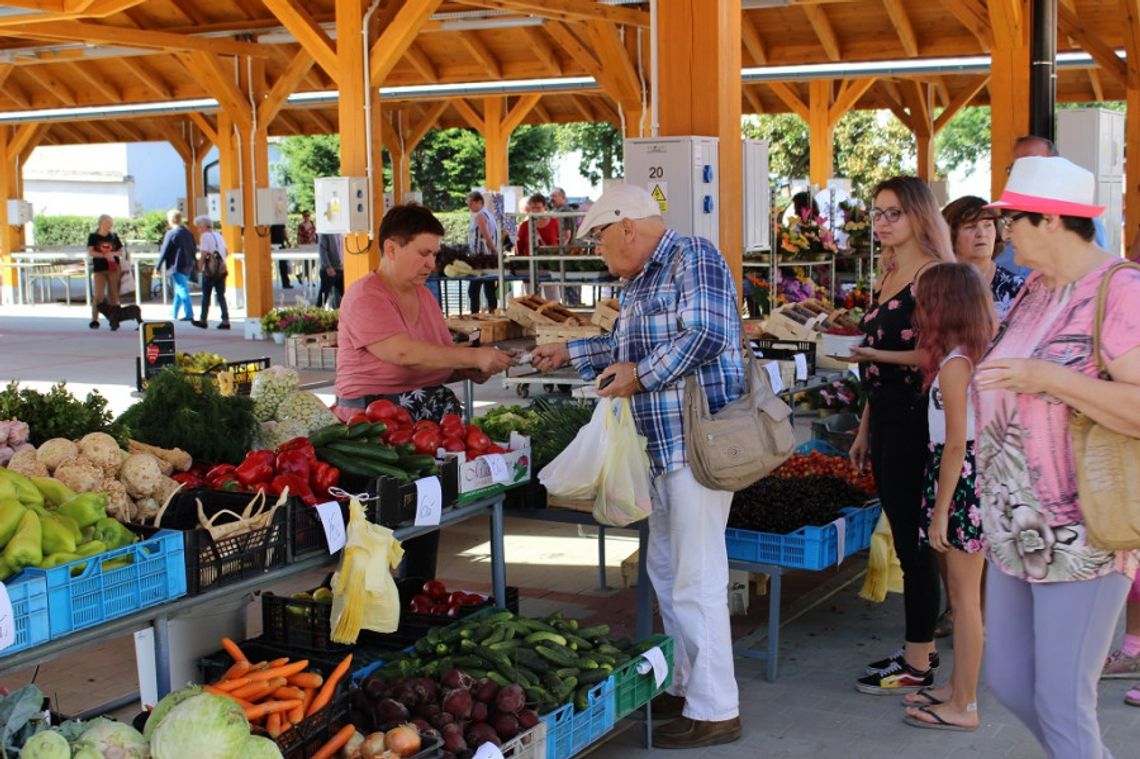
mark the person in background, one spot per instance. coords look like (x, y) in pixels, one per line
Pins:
(893, 432)
(546, 226)
(1025, 147)
(306, 230)
(179, 256)
(955, 321)
(680, 318)
(1124, 662)
(1052, 598)
(330, 249)
(212, 263)
(803, 207)
(974, 234)
(105, 249)
(279, 239)
(482, 240)
(567, 226)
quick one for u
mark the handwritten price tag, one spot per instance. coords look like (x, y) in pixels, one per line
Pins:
(773, 370)
(801, 367)
(488, 751)
(7, 619)
(429, 502)
(500, 472)
(660, 666)
(332, 519)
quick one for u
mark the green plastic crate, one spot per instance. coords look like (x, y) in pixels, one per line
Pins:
(632, 690)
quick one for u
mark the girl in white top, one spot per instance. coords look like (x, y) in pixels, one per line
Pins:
(955, 321)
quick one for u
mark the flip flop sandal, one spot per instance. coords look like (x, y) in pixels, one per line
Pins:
(938, 724)
(926, 696)
(1132, 697)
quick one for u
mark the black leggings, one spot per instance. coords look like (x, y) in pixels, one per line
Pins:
(899, 438)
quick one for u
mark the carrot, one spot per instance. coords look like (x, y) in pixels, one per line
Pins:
(289, 692)
(237, 670)
(215, 691)
(233, 650)
(297, 715)
(273, 724)
(326, 693)
(232, 685)
(256, 691)
(279, 662)
(265, 708)
(285, 670)
(306, 680)
(335, 743)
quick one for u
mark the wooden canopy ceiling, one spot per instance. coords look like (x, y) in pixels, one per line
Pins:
(64, 53)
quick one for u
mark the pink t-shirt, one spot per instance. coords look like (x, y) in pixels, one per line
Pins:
(369, 314)
(1027, 480)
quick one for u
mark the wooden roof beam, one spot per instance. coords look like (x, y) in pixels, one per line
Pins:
(481, 54)
(890, 94)
(540, 44)
(49, 84)
(296, 18)
(568, 10)
(542, 113)
(101, 130)
(95, 81)
(943, 91)
(69, 132)
(202, 121)
(752, 100)
(77, 31)
(290, 123)
(962, 99)
(916, 98)
(790, 98)
(1068, 22)
(973, 15)
(420, 61)
(326, 126)
(615, 58)
(5, 71)
(468, 112)
(22, 137)
(583, 107)
(218, 82)
(1097, 87)
(519, 111)
(903, 27)
(752, 42)
(849, 94)
(285, 85)
(1130, 13)
(398, 36)
(150, 79)
(823, 30)
(425, 125)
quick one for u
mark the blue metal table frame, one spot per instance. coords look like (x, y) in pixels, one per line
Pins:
(771, 654)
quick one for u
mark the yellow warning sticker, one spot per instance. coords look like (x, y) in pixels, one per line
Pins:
(659, 192)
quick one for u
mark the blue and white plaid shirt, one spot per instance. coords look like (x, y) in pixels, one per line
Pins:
(675, 320)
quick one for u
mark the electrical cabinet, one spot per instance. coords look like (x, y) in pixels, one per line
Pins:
(757, 197)
(233, 207)
(343, 205)
(19, 212)
(1094, 139)
(180, 204)
(413, 197)
(682, 174)
(214, 206)
(272, 206)
(202, 208)
(389, 202)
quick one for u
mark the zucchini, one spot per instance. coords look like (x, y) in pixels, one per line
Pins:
(362, 450)
(328, 434)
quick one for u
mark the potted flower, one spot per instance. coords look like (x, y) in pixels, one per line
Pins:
(842, 395)
(857, 227)
(271, 325)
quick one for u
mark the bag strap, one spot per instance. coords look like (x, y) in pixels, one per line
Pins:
(1101, 304)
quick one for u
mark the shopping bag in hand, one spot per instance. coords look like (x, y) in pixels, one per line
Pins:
(623, 491)
(364, 593)
(574, 473)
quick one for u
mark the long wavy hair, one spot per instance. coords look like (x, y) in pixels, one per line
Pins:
(953, 309)
(921, 209)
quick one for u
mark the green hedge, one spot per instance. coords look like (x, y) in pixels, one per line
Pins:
(73, 230)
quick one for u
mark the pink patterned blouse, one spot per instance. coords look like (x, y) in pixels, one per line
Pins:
(1027, 481)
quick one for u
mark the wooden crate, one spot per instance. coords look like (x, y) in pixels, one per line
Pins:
(531, 311)
(561, 333)
(311, 351)
(606, 314)
(555, 502)
(493, 328)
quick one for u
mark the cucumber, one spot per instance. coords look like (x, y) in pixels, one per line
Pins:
(468, 660)
(597, 631)
(493, 638)
(504, 645)
(362, 450)
(415, 461)
(593, 676)
(561, 656)
(544, 637)
(360, 467)
(578, 643)
(498, 679)
(568, 672)
(586, 663)
(328, 434)
(568, 685)
(360, 429)
(582, 697)
(531, 660)
(536, 625)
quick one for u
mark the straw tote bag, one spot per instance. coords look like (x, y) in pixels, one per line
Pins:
(1107, 462)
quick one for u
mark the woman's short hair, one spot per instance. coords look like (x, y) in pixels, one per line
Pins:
(203, 221)
(921, 209)
(475, 196)
(1082, 226)
(102, 218)
(967, 209)
(174, 216)
(405, 222)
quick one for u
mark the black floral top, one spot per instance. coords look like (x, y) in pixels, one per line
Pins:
(888, 327)
(1005, 285)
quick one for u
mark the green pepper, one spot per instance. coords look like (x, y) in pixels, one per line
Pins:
(72, 525)
(86, 508)
(25, 490)
(119, 563)
(91, 548)
(114, 533)
(7, 490)
(25, 549)
(58, 559)
(55, 493)
(57, 535)
(11, 511)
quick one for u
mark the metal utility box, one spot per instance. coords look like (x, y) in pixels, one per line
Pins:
(19, 212)
(682, 174)
(757, 197)
(343, 205)
(272, 206)
(234, 208)
(214, 206)
(202, 208)
(413, 197)
(1094, 139)
(180, 204)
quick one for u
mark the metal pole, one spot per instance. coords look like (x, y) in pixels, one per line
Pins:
(1043, 68)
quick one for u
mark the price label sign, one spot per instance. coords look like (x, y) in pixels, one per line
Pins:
(7, 619)
(332, 520)
(773, 370)
(488, 751)
(801, 367)
(660, 667)
(429, 502)
(500, 472)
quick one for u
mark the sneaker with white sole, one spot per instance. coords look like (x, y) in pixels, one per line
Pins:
(900, 677)
(899, 657)
(1121, 666)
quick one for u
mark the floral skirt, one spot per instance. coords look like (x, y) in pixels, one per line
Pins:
(965, 518)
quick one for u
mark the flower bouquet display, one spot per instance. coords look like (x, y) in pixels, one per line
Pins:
(805, 238)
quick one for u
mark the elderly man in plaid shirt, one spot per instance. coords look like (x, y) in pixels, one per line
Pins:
(679, 316)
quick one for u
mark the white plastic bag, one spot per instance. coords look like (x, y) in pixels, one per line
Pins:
(623, 492)
(575, 472)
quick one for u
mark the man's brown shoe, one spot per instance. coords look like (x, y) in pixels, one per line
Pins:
(689, 733)
(666, 706)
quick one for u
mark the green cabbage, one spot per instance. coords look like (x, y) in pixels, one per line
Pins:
(113, 740)
(203, 727)
(257, 747)
(168, 702)
(46, 745)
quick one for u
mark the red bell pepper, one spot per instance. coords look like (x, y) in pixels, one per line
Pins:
(219, 475)
(296, 485)
(324, 478)
(189, 480)
(254, 470)
(294, 461)
(302, 444)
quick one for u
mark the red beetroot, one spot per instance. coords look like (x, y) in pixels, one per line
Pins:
(458, 702)
(479, 712)
(511, 699)
(427, 710)
(441, 720)
(528, 718)
(506, 725)
(457, 678)
(453, 738)
(422, 726)
(486, 689)
(480, 733)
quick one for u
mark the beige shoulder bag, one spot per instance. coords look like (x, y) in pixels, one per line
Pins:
(1107, 462)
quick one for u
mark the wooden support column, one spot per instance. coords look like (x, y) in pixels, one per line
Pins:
(821, 130)
(400, 154)
(361, 256)
(8, 277)
(495, 140)
(1131, 19)
(1009, 85)
(916, 96)
(701, 95)
(228, 174)
(255, 170)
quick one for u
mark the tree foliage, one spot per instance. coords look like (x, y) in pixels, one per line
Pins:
(600, 144)
(964, 140)
(788, 141)
(303, 159)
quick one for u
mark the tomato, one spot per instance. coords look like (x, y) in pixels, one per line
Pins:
(477, 440)
(458, 598)
(381, 410)
(425, 424)
(473, 428)
(440, 610)
(450, 420)
(402, 416)
(474, 599)
(453, 611)
(454, 444)
(421, 604)
(435, 589)
(494, 448)
(399, 436)
(426, 441)
(358, 417)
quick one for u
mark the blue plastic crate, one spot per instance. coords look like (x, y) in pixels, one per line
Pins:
(808, 547)
(819, 446)
(29, 598)
(156, 574)
(569, 731)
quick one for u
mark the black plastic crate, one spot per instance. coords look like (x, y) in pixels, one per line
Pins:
(305, 739)
(785, 350)
(211, 564)
(410, 586)
(307, 534)
(305, 625)
(243, 373)
(371, 648)
(396, 505)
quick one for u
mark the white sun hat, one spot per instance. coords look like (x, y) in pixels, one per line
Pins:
(622, 201)
(1051, 185)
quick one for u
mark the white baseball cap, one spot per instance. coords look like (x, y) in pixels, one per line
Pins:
(622, 201)
(1049, 184)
